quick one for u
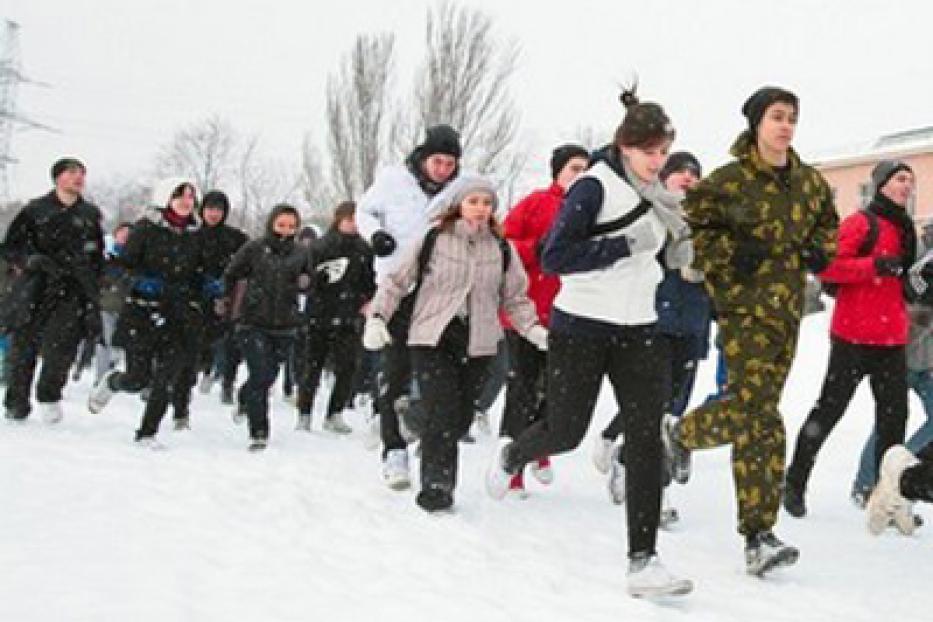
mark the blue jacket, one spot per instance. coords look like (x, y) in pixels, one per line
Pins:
(684, 311)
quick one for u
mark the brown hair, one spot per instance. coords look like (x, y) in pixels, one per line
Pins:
(448, 220)
(645, 125)
(344, 210)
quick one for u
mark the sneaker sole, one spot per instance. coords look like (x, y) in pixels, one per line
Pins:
(786, 557)
(681, 588)
(398, 485)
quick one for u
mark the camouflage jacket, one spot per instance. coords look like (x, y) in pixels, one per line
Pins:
(746, 198)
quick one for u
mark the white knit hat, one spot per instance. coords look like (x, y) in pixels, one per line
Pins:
(457, 190)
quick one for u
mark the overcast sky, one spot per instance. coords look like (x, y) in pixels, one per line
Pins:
(125, 74)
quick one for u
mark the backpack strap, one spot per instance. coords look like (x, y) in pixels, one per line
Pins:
(424, 257)
(623, 221)
(871, 238)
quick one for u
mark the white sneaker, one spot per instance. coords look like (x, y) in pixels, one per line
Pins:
(602, 454)
(51, 412)
(372, 433)
(886, 504)
(150, 442)
(497, 478)
(648, 578)
(336, 424)
(616, 483)
(395, 469)
(101, 393)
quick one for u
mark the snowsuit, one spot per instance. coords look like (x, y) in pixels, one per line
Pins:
(270, 315)
(55, 303)
(454, 333)
(162, 319)
(343, 281)
(868, 334)
(758, 314)
(526, 226)
(395, 204)
(597, 332)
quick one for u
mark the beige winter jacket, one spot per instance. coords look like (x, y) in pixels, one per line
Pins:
(463, 276)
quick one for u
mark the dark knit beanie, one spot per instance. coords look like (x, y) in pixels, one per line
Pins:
(885, 170)
(680, 161)
(65, 164)
(563, 154)
(755, 106)
(215, 198)
(440, 139)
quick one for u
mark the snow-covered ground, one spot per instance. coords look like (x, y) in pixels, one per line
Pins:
(94, 528)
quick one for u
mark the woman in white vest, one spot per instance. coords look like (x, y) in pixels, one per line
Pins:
(605, 245)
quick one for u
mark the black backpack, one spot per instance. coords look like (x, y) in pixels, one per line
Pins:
(864, 249)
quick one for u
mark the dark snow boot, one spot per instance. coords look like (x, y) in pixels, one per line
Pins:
(434, 500)
(764, 552)
(793, 499)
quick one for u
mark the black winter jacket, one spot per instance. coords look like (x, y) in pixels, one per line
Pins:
(343, 279)
(272, 267)
(219, 244)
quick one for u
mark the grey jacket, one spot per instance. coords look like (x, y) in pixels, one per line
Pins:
(463, 276)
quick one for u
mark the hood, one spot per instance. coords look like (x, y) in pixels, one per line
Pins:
(277, 211)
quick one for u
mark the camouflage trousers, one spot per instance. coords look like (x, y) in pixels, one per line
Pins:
(758, 353)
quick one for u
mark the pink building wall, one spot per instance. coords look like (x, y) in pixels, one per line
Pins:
(846, 180)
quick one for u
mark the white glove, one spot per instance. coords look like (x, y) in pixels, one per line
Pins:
(376, 334)
(537, 335)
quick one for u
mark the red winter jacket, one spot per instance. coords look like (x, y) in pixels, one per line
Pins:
(870, 309)
(525, 227)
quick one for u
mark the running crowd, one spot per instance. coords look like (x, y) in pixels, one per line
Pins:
(420, 297)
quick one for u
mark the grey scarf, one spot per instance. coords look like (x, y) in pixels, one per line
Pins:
(678, 252)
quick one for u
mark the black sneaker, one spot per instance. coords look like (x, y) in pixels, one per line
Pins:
(434, 500)
(16, 414)
(764, 552)
(793, 499)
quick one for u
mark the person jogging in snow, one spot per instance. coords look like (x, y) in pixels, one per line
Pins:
(57, 244)
(759, 223)
(606, 241)
(392, 216)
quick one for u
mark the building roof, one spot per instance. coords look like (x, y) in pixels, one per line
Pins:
(896, 145)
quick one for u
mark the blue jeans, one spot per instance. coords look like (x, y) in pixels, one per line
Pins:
(921, 381)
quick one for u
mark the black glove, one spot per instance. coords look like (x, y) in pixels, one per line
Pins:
(814, 259)
(383, 243)
(888, 266)
(748, 257)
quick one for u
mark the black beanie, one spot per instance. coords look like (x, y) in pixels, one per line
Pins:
(563, 154)
(680, 161)
(885, 170)
(440, 139)
(755, 106)
(64, 164)
(216, 198)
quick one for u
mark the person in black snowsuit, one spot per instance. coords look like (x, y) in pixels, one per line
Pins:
(57, 244)
(270, 317)
(162, 319)
(342, 284)
(219, 242)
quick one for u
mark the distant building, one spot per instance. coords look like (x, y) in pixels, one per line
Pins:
(848, 173)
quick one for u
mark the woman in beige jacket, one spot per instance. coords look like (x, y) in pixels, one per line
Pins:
(462, 273)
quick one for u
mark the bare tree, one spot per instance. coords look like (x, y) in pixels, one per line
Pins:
(120, 197)
(264, 182)
(203, 151)
(315, 190)
(358, 114)
(463, 82)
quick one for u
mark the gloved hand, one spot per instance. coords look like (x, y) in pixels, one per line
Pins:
(642, 239)
(376, 334)
(383, 244)
(43, 263)
(815, 259)
(748, 256)
(213, 288)
(888, 266)
(537, 335)
(148, 286)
